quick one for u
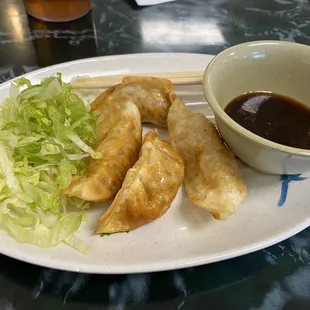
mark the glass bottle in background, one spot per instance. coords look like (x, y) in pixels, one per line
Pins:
(61, 42)
(57, 10)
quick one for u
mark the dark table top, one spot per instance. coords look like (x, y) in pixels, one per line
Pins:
(275, 278)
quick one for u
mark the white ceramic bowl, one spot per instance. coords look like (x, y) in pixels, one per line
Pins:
(280, 67)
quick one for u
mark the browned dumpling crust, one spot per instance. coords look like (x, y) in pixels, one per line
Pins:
(119, 136)
(213, 180)
(153, 96)
(148, 189)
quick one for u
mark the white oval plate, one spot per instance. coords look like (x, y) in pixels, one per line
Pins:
(185, 236)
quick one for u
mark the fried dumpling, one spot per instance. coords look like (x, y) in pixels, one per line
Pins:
(148, 189)
(213, 180)
(153, 96)
(119, 136)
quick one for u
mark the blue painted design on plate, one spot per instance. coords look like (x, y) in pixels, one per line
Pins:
(286, 179)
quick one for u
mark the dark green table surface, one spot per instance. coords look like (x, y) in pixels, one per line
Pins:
(275, 278)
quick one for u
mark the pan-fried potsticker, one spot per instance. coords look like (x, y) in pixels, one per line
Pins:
(153, 96)
(119, 135)
(213, 180)
(148, 189)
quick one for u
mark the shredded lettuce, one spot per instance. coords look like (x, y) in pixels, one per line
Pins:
(46, 132)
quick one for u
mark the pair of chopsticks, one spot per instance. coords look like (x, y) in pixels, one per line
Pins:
(177, 78)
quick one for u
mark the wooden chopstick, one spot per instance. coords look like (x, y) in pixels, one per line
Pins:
(177, 78)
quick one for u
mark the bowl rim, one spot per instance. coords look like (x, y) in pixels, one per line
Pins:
(219, 111)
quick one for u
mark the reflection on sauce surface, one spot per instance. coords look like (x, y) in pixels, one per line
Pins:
(274, 117)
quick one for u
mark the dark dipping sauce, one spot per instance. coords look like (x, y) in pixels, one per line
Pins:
(274, 117)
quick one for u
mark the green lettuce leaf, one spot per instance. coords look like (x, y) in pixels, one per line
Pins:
(46, 132)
